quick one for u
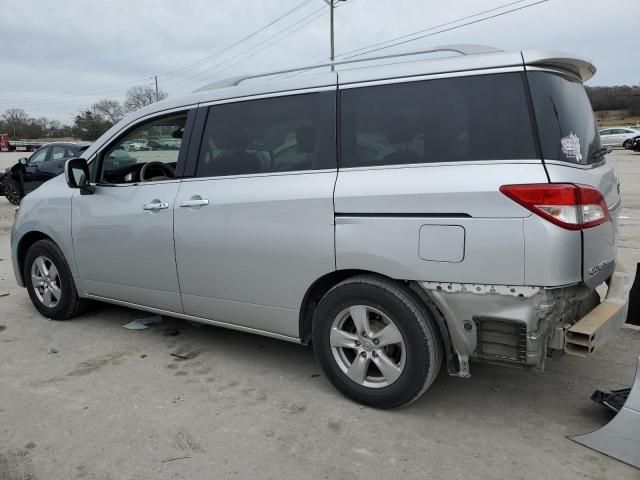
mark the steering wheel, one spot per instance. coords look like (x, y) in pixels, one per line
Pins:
(167, 170)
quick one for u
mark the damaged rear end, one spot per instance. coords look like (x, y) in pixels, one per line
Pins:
(574, 297)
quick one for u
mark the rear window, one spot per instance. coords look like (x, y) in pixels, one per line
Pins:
(483, 117)
(567, 127)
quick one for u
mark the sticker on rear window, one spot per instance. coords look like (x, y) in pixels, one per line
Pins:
(571, 147)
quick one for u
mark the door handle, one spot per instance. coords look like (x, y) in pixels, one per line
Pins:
(155, 206)
(196, 202)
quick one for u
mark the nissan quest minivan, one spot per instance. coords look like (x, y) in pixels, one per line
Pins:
(399, 215)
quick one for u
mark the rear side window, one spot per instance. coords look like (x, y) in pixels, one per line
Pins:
(281, 134)
(483, 117)
(567, 127)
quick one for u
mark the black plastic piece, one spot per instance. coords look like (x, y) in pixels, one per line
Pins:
(613, 400)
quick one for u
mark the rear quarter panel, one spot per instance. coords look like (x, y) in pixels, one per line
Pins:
(380, 212)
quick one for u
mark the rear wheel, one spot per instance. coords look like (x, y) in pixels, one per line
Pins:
(627, 144)
(50, 283)
(13, 191)
(376, 343)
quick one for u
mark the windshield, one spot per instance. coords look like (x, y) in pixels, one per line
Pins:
(565, 118)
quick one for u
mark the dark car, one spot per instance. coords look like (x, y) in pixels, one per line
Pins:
(45, 163)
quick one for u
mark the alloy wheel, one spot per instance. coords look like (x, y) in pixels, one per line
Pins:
(46, 281)
(12, 194)
(367, 346)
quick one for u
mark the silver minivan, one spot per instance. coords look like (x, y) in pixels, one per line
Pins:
(398, 215)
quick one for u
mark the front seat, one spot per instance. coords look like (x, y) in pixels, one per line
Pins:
(234, 158)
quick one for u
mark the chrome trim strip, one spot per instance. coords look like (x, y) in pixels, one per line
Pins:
(432, 76)
(184, 316)
(281, 93)
(529, 161)
(588, 166)
(530, 68)
(263, 174)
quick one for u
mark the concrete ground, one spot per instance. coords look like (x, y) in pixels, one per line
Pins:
(115, 404)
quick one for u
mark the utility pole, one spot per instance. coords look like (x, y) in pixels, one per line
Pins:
(332, 5)
(156, 79)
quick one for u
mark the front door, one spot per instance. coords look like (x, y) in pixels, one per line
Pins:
(33, 174)
(254, 228)
(123, 232)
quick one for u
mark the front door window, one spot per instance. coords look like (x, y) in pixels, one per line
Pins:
(147, 153)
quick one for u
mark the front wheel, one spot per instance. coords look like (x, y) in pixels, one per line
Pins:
(13, 191)
(50, 283)
(376, 343)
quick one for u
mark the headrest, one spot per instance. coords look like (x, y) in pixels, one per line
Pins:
(229, 136)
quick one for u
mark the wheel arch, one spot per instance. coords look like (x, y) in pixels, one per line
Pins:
(24, 244)
(325, 283)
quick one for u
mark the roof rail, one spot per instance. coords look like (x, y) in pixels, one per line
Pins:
(463, 49)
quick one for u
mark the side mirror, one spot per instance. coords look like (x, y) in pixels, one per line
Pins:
(23, 161)
(76, 172)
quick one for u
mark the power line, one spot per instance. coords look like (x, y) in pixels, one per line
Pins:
(76, 93)
(458, 20)
(448, 29)
(276, 41)
(192, 66)
(299, 23)
(25, 101)
(432, 28)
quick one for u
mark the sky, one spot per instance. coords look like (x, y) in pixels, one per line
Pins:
(57, 58)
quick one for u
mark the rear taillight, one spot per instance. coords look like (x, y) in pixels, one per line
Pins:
(567, 205)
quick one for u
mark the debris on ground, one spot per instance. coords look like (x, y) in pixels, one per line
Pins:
(181, 357)
(144, 355)
(613, 400)
(172, 459)
(4, 294)
(171, 332)
(141, 323)
(52, 350)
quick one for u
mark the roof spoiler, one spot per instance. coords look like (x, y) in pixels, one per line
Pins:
(581, 67)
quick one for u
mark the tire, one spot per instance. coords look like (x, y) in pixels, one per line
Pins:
(415, 359)
(68, 304)
(13, 191)
(627, 144)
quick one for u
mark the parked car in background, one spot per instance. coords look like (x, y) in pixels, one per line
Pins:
(45, 163)
(633, 144)
(630, 143)
(617, 136)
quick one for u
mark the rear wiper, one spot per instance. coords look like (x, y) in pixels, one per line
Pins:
(601, 152)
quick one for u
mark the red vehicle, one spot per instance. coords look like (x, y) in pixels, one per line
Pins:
(18, 145)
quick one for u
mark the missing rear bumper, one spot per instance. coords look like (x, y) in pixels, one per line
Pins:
(602, 323)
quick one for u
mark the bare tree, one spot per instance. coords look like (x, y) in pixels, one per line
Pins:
(42, 122)
(141, 96)
(16, 118)
(110, 109)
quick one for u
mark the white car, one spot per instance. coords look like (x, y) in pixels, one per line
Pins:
(616, 136)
